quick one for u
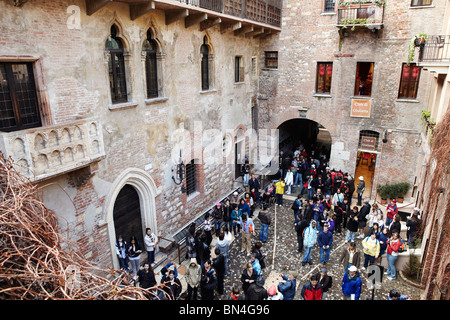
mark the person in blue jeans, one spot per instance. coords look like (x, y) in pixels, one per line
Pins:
(309, 240)
(265, 219)
(325, 241)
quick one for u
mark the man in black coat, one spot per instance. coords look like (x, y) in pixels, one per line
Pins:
(299, 227)
(219, 266)
(362, 221)
(208, 282)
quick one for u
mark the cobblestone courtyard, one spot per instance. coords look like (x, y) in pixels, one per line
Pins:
(282, 256)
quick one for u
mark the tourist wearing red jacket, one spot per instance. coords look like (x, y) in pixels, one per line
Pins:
(312, 290)
(391, 211)
(394, 244)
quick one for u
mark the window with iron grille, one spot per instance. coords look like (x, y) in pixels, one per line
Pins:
(271, 59)
(150, 49)
(116, 67)
(238, 69)
(204, 50)
(329, 5)
(368, 140)
(409, 81)
(415, 3)
(19, 107)
(323, 78)
(191, 177)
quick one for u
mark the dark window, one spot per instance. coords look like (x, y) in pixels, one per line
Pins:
(409, 81)
(329, 5)
(18, 100)
(191, 177)
(421, 3)
(204, 50)
(150, 48)
(324, 73)
(238, 70)
(116, 67)
(271, 60)
(364, 79)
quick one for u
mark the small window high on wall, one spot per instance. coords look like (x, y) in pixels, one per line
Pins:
(151, 67)
(116, 67)
(364, 79)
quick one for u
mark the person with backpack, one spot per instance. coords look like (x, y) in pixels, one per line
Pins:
(265, 219)
(393, 247)
(371, 249)
(297, 207)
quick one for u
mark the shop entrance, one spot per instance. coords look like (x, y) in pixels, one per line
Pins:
(366, 160)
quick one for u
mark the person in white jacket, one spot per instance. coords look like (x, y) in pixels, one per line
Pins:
(289, 180)
(150, 241)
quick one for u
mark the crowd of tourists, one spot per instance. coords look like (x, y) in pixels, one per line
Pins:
(322, 210)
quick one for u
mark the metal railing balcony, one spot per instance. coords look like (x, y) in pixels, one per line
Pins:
(435, 49)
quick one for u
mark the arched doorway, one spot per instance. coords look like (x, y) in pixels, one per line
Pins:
(143, 192)
(127, 214)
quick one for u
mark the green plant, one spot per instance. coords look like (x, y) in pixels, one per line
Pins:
(413, 43)
(402, 188)
(412, 266)
(378, 3)
(393, 190)
(383, 191)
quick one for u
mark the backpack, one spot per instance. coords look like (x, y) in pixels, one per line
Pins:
(402, 246)
(295, 205)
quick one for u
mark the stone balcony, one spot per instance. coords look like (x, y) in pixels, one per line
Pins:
(45, 152)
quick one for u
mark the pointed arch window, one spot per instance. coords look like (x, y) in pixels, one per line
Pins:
(150, 48)
(204, 50)
(116, 67)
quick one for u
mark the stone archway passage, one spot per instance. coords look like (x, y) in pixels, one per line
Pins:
(309, 132)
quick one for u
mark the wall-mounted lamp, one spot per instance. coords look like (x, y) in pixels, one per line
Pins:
(178, 174)
(385, 136)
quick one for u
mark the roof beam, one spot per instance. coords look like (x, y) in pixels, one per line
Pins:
(244, 29)
(193, 19)
(256, 31)
(209, 23)
(224, 27)
(92, 6)
(172, 16)
(139, 9)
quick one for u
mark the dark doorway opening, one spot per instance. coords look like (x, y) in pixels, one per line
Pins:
(127, 214)
(312, 135)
